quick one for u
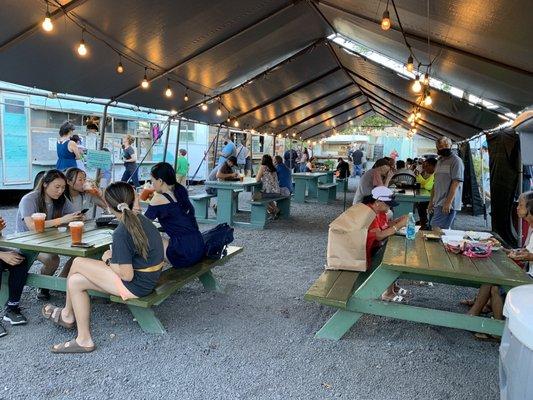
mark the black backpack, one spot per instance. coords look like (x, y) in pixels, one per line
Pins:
(216, 240)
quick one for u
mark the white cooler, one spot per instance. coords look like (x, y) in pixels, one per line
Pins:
(516, 349)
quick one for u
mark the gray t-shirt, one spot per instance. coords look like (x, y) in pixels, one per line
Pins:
(448, 169)
(124, 252)
(81, 202)
(366, 184)
(29, 204)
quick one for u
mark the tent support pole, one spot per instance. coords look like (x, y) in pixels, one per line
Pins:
(206, 153)
(177, 146)
(166, 144)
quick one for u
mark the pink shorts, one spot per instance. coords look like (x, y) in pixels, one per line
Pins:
(123, 291)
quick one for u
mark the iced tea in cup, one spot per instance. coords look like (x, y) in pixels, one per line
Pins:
(146, 193)
(76, 231)
(241, 177)
(38, 221)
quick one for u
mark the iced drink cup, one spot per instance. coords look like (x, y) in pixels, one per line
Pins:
(76, 231)
(146, 193)
(38, 221)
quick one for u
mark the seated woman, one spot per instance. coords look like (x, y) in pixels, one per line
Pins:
(310, 165)
(79, 193)
(174, 211)
(284, 176)
(270, 187)
(380, 201)
(130, 271)
(492, 297)
(48, 198)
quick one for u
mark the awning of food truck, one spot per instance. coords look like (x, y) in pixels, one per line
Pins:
(268, 65)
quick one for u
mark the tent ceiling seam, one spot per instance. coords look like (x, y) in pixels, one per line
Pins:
(344, 123)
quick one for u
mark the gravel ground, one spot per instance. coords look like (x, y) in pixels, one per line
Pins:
(256, 340)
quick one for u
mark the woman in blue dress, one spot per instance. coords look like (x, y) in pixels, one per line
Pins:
(174, 211)
(67, 150)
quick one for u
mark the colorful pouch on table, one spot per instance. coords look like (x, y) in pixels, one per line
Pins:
(477, 250)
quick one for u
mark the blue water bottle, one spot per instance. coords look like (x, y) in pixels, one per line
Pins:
(410, 231)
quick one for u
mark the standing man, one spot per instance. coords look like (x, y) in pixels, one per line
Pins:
(357, 159)
(343, 169)
(447, 190)
(290, 158)
(229, 149)
(182, 170)
(242, 155)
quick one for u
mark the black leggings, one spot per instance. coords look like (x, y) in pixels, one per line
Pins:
(16, 280)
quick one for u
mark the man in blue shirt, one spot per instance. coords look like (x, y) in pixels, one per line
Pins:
(284, 176)
(228, 150)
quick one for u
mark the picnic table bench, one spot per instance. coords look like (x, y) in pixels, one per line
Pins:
(259, 214)
(327, 192)
(53, 241)
(419, 260)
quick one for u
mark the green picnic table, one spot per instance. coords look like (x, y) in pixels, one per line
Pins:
(306, 181)
(408, 200)
(356, 294)
(327, 178)
(53, 241)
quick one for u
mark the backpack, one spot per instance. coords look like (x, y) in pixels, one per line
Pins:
(216, 240)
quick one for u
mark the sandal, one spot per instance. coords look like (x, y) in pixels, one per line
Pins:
(57, 319)
(395, 299)
(402, 291)
(69, 347)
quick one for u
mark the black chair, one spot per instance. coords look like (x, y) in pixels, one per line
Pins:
(402, 180)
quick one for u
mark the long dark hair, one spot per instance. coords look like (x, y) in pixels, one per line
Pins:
(166, 173)
(49, 177)
(66, 128)
(72, 174)
(122, 192)
(267, 161)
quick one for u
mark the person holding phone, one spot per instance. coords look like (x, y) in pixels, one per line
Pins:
(81, 194)
(131, 270)
(48, 198)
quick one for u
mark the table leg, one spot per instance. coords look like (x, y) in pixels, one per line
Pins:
(147, 320)
(225, 206)
(312, 188)
(4, 290)
(210, 283)
(299, 190)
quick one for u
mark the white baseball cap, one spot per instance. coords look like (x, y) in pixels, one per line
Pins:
(385, 195)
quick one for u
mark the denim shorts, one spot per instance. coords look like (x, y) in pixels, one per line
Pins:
(442, 220)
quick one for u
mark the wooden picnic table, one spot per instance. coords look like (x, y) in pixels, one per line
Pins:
(53, 241)
(226, 206)
(408, 200)
(306, 181)
(424, 260)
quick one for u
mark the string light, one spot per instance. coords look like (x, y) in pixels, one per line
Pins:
(120, 67)
(293, 134)
(203, 106)
(426, 79)
(236, 123)
(410, 66)
(82, 49)
(385, 21)
(145, 84)
(428, 100)
(47, 24)
(228, 119)
(168, 91)
(417, 86)
(219, 111)
(186, 97)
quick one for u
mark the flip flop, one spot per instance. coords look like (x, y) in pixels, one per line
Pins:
(57, 319)
(402, 292)
(71, 347)
(395, 299)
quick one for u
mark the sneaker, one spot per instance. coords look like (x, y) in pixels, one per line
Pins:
(14, 316)
(43, 294)
(3, 331)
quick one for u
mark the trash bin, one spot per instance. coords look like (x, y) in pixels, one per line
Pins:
(516, 349)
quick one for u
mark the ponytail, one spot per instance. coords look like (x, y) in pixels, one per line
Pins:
(120, 196)
(134, 227)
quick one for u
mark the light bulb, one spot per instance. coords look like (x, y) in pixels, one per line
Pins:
(120, 68)
(47, 24)
(219, 111)
(413, 131)
(228, 119)
(413, 123)
(385, 21)
(294, 135)
(280, 135)
(428, 100)
(410, 65)
(236, 124)
(426, 79)
(204, 106)
(411, 118)
(186, 97)
(416, 87)
(168, 92)
(82, 49)
(418, 115)
(145, 84)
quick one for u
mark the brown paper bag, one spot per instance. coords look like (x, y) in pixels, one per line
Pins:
(347, 239)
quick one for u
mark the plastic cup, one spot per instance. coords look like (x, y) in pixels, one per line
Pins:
(38, 221)
(76, 231)
(241, 177)
(146, 193)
